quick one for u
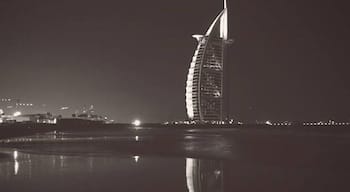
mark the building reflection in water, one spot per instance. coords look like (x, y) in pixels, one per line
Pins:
(204, 175)
(60, 170)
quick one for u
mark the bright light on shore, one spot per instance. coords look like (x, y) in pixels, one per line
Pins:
(136, 158)
(15, 155)
(17, 113)
(136, 122)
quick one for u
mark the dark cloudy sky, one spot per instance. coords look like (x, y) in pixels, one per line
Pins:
(290, 59)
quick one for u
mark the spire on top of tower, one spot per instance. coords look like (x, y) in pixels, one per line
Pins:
(224, 22)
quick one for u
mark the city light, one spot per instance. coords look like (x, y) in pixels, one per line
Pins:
(17, 113)
(136, 158)
(136, 122)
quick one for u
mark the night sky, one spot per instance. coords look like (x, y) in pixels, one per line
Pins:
(290, 59)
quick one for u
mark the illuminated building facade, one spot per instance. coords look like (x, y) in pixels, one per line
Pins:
(205, 79)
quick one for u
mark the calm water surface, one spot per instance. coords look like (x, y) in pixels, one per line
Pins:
(146, 159)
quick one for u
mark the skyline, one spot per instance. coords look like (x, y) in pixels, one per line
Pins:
(288, 61)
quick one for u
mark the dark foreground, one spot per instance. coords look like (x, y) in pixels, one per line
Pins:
(175, 159)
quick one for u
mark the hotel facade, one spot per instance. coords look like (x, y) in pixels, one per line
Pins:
(205, 79)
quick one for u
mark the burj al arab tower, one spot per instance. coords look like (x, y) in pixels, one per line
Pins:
(205, 79)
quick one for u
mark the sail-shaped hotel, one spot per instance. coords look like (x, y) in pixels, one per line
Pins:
(205, 79)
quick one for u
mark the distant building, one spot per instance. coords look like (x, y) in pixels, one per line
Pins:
(9, 106)
(205, 79)
(32, 118)
(86, 117)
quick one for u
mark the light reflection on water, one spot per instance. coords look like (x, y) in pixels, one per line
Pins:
(30, 169)
(180, 161)
(38, 172)
(71, 162)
